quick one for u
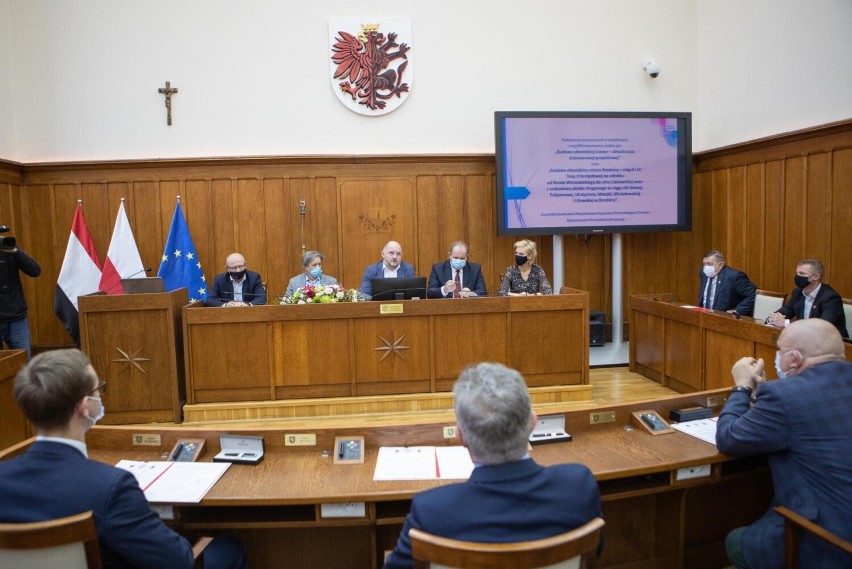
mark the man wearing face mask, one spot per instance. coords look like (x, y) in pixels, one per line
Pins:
(456, 277)
(811, 299)
(803, 423)
(312, 275)
(60, 394)
(724, 288)
(237, 286)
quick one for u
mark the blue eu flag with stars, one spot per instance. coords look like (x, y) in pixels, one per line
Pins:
(180, 266)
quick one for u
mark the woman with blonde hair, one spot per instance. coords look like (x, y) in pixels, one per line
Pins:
(524, 278)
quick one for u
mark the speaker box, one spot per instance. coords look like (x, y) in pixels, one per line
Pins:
(597, 328)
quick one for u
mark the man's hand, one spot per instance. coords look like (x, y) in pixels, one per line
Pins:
(748, 372)
(777, 319)
(449, 286)
(466, 293)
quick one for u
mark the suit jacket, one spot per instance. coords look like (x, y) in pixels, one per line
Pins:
(515, 501)
(803, 424)
(54, 480)
(299, 281)
(222, 290)
(375, 271)
(443, 272)
(827, 305)
(734, 291)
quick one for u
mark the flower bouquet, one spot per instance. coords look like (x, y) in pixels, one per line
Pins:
(325, 294)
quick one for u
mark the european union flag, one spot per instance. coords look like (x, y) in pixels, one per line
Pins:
(180, 266)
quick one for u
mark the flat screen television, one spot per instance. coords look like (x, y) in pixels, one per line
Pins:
(593, 172)
(401, 288)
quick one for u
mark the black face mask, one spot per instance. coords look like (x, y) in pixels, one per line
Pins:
(520, 259)
(801, 281)
(238, 275)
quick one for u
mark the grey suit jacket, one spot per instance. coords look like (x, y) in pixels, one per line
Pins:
(299, 281)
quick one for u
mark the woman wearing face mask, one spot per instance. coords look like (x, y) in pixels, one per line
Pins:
(312, 275)
(524, 278)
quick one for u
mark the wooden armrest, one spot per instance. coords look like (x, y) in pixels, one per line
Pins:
(198, 551)
(793, 521)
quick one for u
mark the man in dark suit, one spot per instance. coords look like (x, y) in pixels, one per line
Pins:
(391, 266)
(60, 394)
(508, 497)
(724, 288)
(811, 299)
(456, 277)
(802, 422)
(237, 286)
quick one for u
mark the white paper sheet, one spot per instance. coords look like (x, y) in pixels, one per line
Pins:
(175, 482)
(423, 463)
(704, 429)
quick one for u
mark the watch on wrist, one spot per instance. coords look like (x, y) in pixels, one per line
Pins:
(743, 388)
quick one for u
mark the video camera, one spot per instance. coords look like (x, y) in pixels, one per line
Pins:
(6, 242)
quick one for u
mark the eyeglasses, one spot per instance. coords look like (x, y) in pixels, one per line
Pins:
(237, 267)
(101, 387)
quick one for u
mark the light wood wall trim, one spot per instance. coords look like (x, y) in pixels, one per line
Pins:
(11, 172)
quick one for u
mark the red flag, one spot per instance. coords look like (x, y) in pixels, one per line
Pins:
(122, 260)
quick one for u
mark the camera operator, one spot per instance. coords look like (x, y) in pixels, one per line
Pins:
(14, 326)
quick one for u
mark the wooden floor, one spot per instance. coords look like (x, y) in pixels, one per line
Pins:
(610, 385)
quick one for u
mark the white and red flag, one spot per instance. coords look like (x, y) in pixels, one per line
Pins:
(122, 260)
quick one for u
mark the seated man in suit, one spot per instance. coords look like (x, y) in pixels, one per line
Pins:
(391, 266)
(802, 422)
(725, 288)
(312, 275)
(456, 277)
(237, 286)
(60, 393)
(811, 299)
(509, 497)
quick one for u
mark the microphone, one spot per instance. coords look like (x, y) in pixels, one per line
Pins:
(118, 284)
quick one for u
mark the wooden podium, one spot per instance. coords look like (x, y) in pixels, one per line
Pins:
(14, 427)
(135, 342)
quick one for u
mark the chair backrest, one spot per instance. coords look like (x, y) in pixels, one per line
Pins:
(766, 302)
(847, 310)
(70, 543)
(575, 549)
(793, 526)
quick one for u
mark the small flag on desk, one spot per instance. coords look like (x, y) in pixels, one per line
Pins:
(80, 274)
(180, 266)
(122, 260)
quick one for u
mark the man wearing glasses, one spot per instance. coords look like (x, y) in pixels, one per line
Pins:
(60, 393)
(237, 286)
(802, 422)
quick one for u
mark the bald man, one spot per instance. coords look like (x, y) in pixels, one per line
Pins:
(390, 267)
(237, 286)
(803, 423)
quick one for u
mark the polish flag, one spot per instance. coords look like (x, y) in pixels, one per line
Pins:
(80, 274)
(122, 260)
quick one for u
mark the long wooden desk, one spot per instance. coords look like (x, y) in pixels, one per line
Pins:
(653, 518)
(693, 350)
(265, 353)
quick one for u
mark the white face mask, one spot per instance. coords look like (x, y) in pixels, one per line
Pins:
(781, 373)
(101, 410)
(709, 270)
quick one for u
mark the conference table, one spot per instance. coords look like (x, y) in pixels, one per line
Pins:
(687, 348)
(668, 500)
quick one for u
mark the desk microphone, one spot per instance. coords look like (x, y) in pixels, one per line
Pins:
(118, 284)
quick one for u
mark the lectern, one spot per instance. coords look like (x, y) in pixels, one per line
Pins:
(135, 342)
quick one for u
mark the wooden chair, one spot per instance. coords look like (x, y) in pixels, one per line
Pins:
(71, 543)
(574, 549)
(793, 525)
(766, 302)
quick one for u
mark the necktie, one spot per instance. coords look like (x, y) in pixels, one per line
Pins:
(456, 293)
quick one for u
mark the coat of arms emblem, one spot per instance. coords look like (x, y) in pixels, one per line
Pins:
(371, 66)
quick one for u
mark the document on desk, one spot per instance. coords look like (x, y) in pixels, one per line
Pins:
(704, 429)
(175, 482)
(423, 463)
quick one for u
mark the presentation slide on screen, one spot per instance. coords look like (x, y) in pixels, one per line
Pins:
(577, 172)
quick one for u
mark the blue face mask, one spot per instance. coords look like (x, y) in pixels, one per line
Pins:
(457, 264)
(316, 273)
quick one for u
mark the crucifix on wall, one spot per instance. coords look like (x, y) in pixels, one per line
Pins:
(168, 92)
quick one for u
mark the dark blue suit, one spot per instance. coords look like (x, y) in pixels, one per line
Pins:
(804, 424)
(516, 501)
(734, 291)
(54, 480)
(222, 291)
(443, 272)
(827, 306)
(375, 271)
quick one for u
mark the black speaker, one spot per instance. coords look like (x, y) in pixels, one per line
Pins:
(597, 328)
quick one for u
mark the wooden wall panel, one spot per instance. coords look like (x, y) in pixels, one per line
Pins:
(840, 267)
(774, 269)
